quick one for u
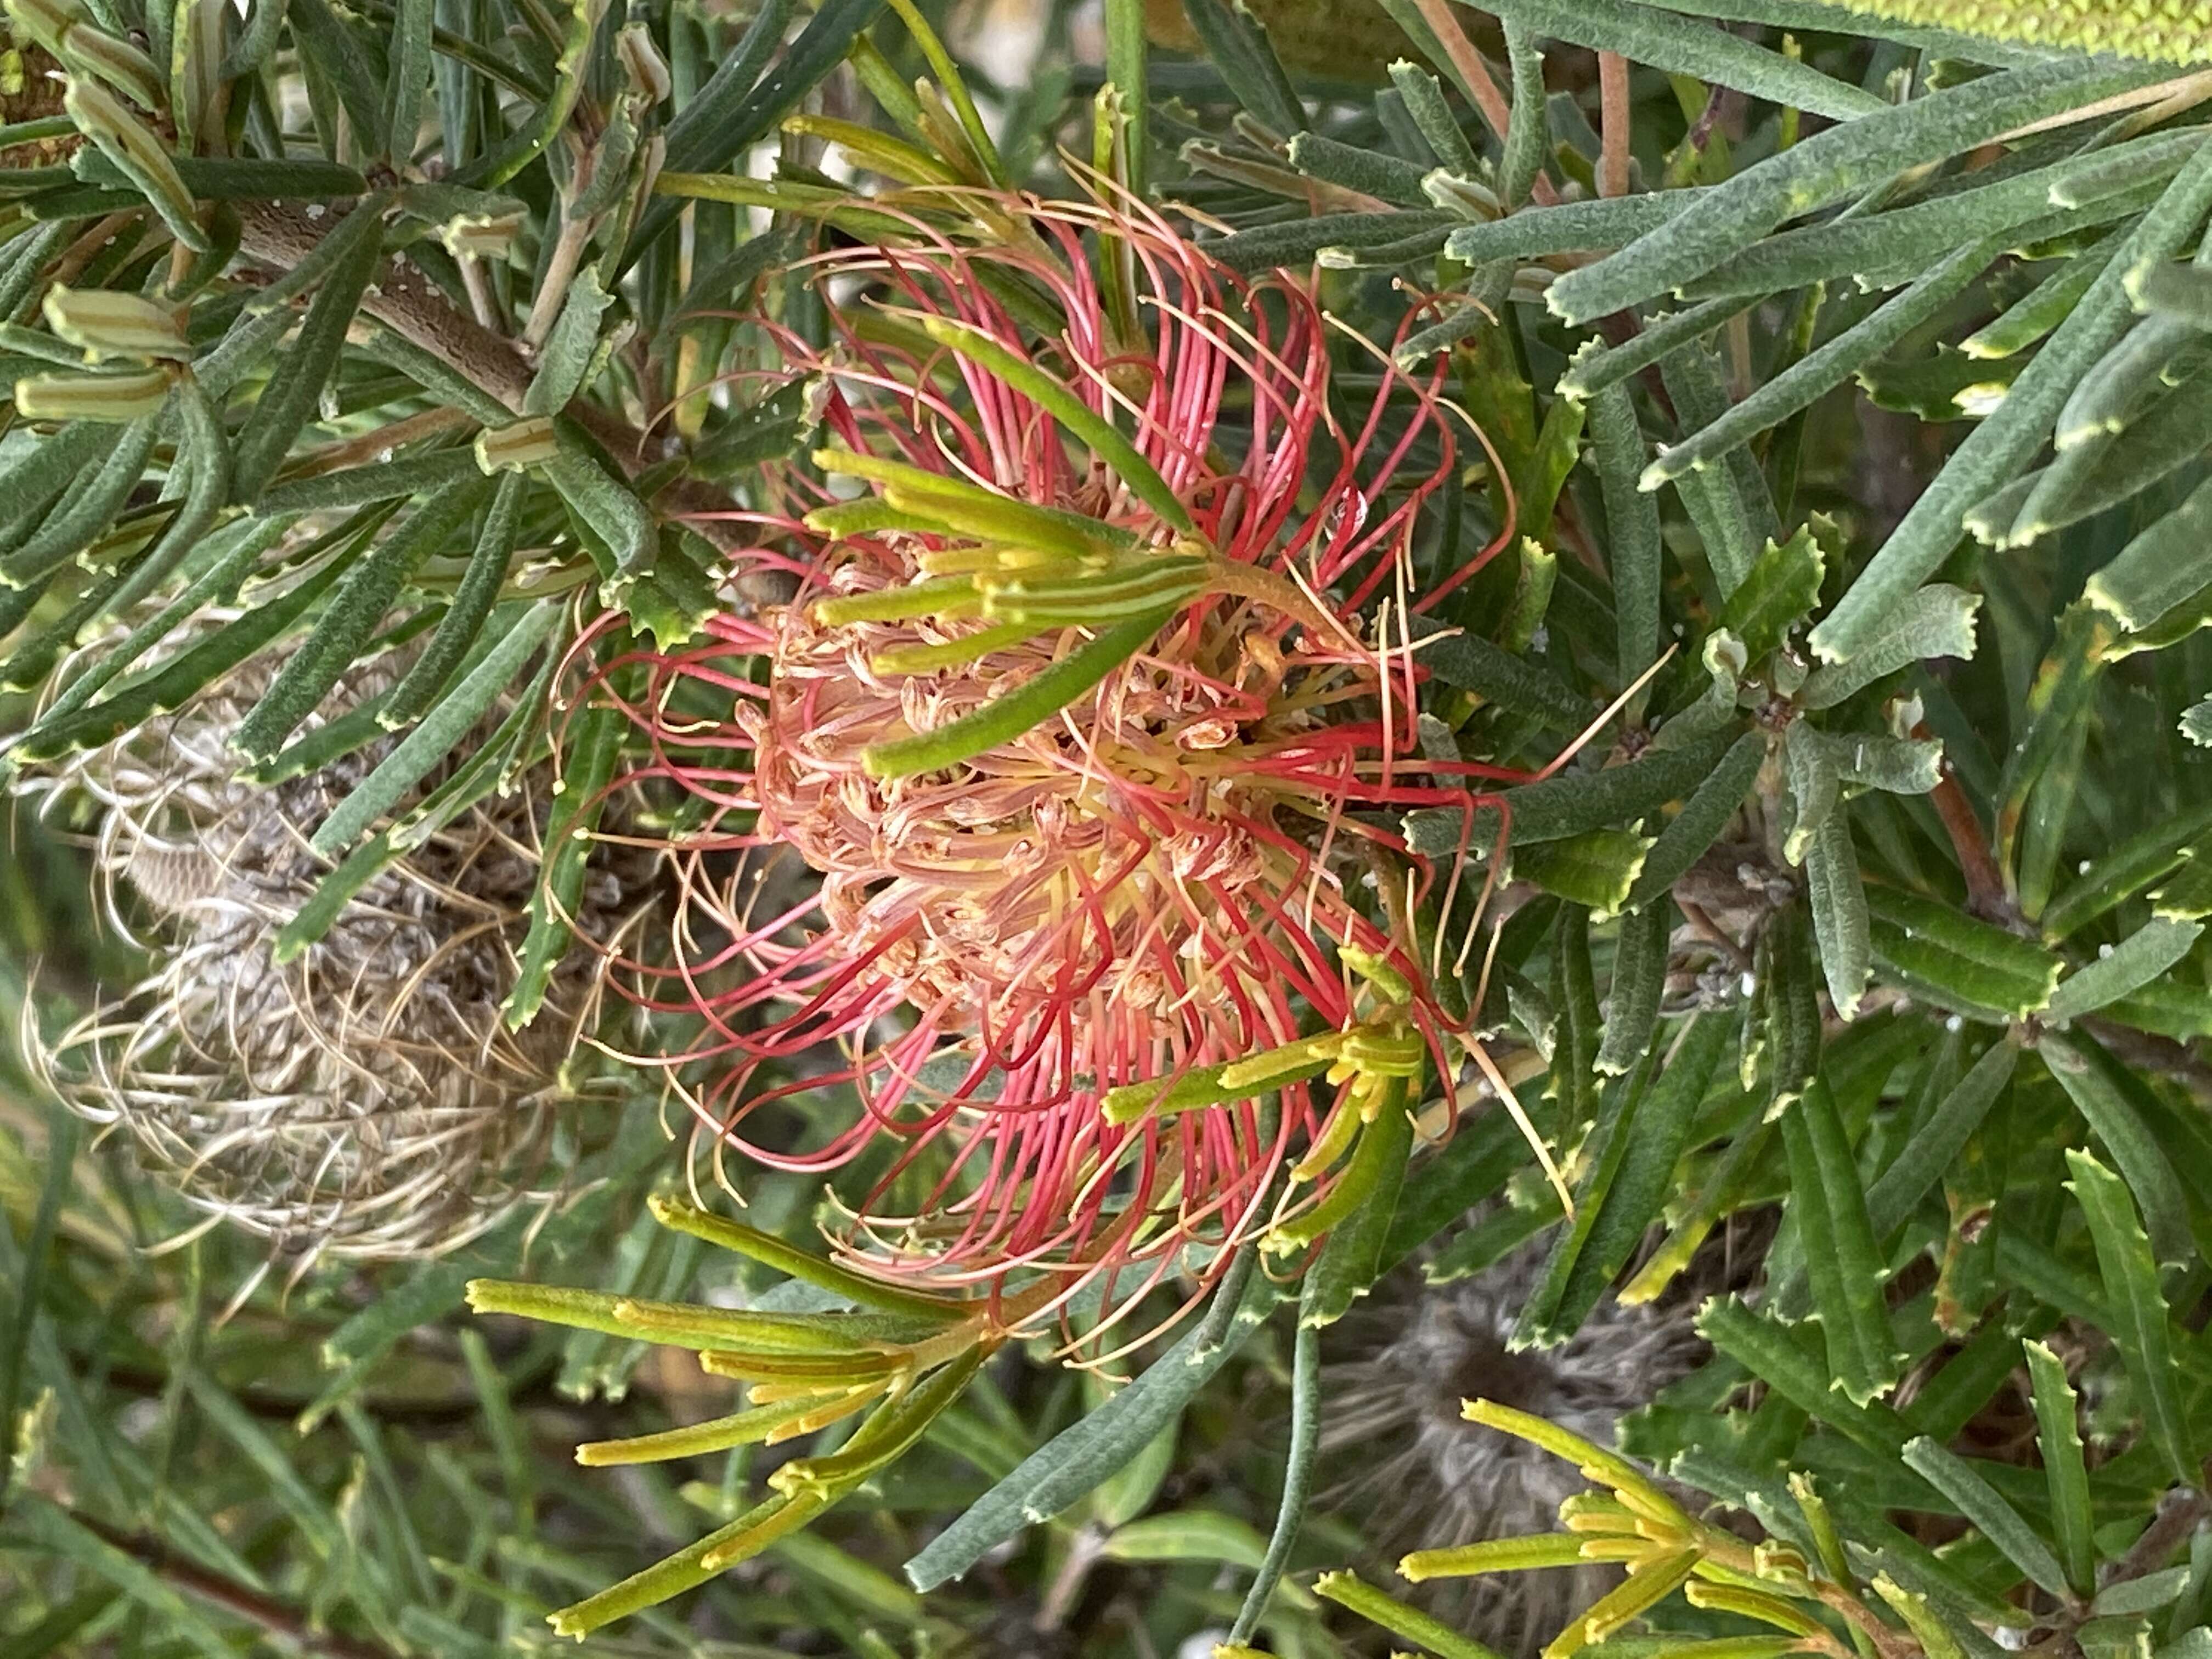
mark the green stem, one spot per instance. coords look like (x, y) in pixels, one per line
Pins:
(1004, 719)
(1298, 1480)
(1125, 69)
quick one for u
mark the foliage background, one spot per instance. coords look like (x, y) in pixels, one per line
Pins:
(210, 1459)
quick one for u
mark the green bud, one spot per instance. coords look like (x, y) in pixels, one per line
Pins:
(103, 324)
(517, 447)
(116, 61)
(643, 61)
(482, 234)
(64, 28)
(134, 147)
(47, 21)
(113, 398)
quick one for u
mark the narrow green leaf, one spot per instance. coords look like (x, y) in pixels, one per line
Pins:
(768, 431)
(1893, 248)
(169, 686)
(464, 615)
(288, 401)
(1729, 503)
(1986, 1508)
(1841, 923)
(1996, 450)
(1970, 961)
(580, 797)
(1528, 129)
(1443, 1184)
(1823, 168)
(408, 62)
(43, 471)
(230, 554)
(2160, 568)
(1789, 987)
(1778, 592)
(2102, 472)
(1639, 974)
(1297, 242)
(2143, 955)
(1370, 172)
(1192, 1535)
(1919, 1164)
(1598, 366)
(1682, 46)
(356, 609)
(47, 1527)
(739, 106)
(1568, 227)
(204, 450)
(447, 724)
(2058, 1439)
(29, 1288)
(82, 517)
(1423, 98)
(1544, 1320)
(1693, 830)
(1575, 802)
(320, 745)
(1657, 1136)
(1498, 676)
(1841, 1257)
(2102, 1089)
(1596, 869)
(2143, 1330)
(1633, 549)
(601, 504)
(2125, 871)
(1821, 370)
(1773, 1351)
(2155, 356)
(2041, 309)
(1080, 1456)
(570, 349)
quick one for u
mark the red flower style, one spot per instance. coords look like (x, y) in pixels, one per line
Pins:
(1147, 873)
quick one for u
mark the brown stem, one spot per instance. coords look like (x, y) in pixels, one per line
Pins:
(1712, 931)
(356, 451)
(278, 1618)
(2179, 1514)
(1475, 74)
(404, 301)
(88, 248)
(1985, 886)
(2145, 1052)
(1613, 105)
(402, 298)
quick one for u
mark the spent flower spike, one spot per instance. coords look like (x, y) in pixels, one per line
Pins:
(1074, 710)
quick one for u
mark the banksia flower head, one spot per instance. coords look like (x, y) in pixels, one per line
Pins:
(357, 1091)
(2160, 31)
(1074, 710)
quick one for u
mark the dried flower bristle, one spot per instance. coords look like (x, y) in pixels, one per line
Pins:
(1409, 1358)
(365, 1098)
